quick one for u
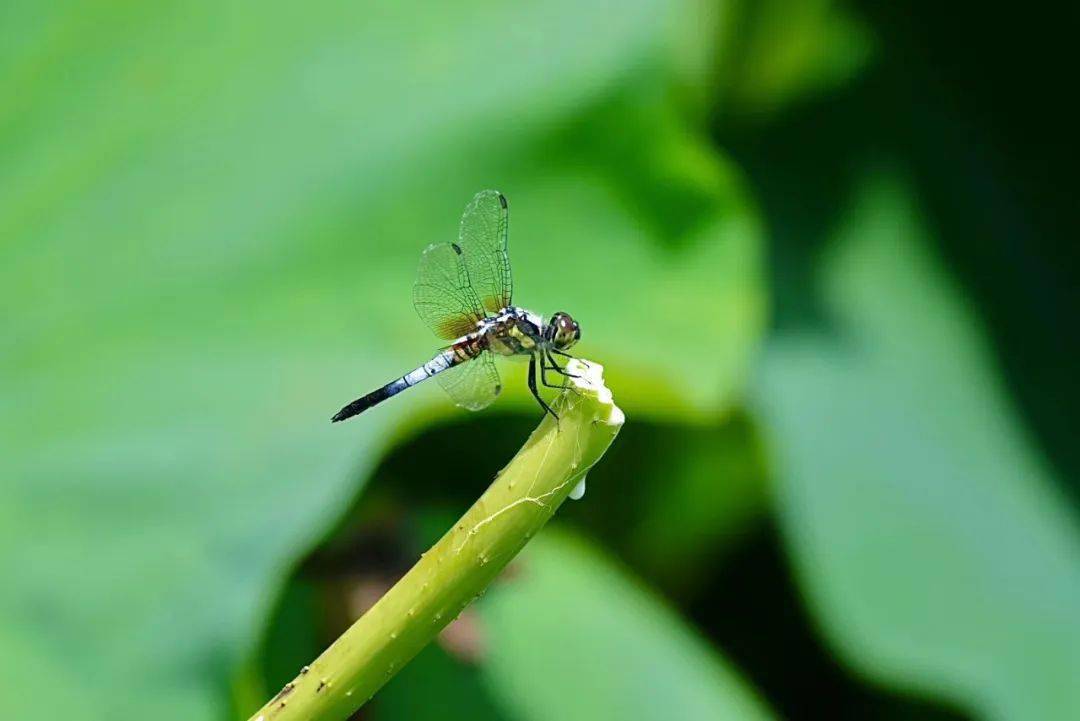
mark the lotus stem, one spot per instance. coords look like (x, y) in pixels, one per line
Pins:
(459, 567)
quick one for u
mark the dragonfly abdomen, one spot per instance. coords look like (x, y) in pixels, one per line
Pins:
(469, 347)
(458, 353)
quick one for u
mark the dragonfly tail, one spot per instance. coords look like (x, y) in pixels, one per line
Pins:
(439, 363)
(371, 399)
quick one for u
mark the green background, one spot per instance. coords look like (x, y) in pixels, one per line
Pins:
(822, 249)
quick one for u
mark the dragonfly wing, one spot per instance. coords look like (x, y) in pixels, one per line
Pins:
(483, 239)
(442, 294)
(473, 384)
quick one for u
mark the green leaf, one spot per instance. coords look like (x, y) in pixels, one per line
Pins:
(932, 542)
(210, 215)
(703, 489)
(780, 51)
(435, 686)
(571, 637)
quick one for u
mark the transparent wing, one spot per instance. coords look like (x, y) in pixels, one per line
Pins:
(443, 295)
(483, 239)
(474, 384)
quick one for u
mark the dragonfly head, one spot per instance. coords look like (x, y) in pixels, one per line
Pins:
(562, 331)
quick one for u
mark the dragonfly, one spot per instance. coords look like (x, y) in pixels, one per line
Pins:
(464, 292)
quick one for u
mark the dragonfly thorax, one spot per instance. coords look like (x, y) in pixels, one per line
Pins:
(513, 331)
(516, 331)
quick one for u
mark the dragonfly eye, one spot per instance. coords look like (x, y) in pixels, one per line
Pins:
(564, 331)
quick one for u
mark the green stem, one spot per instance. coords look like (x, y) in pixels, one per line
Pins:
(460, 566)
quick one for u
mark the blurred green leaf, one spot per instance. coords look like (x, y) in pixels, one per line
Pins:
(705, 492)
(780, 51)
(435, 686)
(290, 643)
(698, 493)
(926, 531)
(572, 637)
(210, 216)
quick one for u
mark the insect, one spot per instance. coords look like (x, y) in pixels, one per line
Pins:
(464, 292)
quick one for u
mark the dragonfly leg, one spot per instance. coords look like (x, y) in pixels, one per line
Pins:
(555, 367)
(567, 355)
(544, 368)
(536, 393)
(558, 368)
